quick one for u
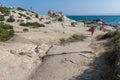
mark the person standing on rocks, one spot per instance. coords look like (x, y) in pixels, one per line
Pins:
(85, 24)
(92, 30)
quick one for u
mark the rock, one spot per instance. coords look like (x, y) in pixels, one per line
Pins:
(42, 49)
(51, 13)
(109, 28)
(58, 16)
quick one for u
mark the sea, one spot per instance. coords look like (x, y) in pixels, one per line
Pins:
(113, 20)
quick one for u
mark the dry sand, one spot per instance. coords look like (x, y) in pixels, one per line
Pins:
(19, 59)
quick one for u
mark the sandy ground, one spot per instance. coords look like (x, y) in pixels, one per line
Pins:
(62, 62)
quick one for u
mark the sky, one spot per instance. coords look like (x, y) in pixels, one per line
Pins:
(69, 7)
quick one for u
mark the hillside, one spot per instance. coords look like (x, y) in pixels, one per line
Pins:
(35, 50)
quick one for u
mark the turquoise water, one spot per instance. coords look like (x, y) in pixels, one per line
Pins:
(107, 19)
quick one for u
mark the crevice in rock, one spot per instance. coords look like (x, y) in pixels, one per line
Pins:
(64, 53)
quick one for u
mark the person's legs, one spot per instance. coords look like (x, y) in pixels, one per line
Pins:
(92, 33)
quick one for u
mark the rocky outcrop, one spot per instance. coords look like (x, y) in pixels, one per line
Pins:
(54, 14)
(31, 50)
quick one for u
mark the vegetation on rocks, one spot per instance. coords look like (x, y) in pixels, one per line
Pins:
(6, 32)
(22, 15)
(19, 17)
(25, 30)
(109, 35)
(73, 38)
(5, 10)
(2, 18)
(117, 38)
(57, 16)
(13, 11)
(114, 59)
(32, 24)
(28, 18)
(112, 55)
(60, 19)
(37, 16)
(21, 9)
(10, 19)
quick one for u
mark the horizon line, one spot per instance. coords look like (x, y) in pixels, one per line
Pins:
(93, 15)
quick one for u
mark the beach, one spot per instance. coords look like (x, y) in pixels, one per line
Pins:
(37, 54)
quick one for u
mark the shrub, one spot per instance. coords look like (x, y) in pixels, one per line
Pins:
(47, 22)
(21, 9)
(22, 20)
(28, 18)
(4, 35)
(10, 19)
(62, 40)
(32, 12)
(60, 19)
(25, 30)
(23, 24)
(6, 32)
(11, 32)
(109, 35)
(37, 16)
(22, 15)
(2, 18)
(36, 24)
(5, 10)
(13, 11)
(32, 24)
(73, 38)
(76, 37)
(117, 38)
(114, 36)
(5, 26)
(6, 14)
(19, 17)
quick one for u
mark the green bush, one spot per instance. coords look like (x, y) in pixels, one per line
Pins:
(19, 17)
(28, 18)
(2, 18)
(23, 24)
(109, 35)
(73, 38)
(22, 15)
(36, 24)
(13, 11)
(32, 12)
(6, 35)
(37, 16)
(112, 54)
(6, 14)
(21, 9)
(10, 19)
(25, 30)
(6, 32)
(117, 38)
(32, 24)
(5, 10)
(21, 20)
(5, 26)
(60, 19)
(76, 37)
